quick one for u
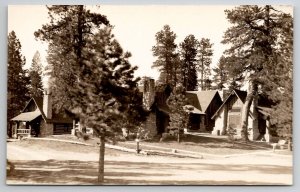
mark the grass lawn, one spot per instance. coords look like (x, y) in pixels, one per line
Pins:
(202, 144)
(199, 144)
(62, 146)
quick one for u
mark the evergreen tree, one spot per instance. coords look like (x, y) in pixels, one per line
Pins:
(205, 58)
(220, 77)
(67, 32)
(35, 75)
(17, 80)
(107, 89)
(254, 39)
(188, 53)
(279, 81)
(90, 73)
(84, 61)
(167, 58)
(207, 84)
(179, 115)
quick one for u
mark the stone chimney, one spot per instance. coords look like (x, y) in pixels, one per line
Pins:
(47, 104)
(148, 92)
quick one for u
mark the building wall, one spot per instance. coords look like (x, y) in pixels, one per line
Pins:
(219, 123)
(202, 123)
(46, 129)
(150, 125)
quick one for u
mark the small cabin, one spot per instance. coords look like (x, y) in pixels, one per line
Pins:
(205, 104)
(229, 114)
(39, 120)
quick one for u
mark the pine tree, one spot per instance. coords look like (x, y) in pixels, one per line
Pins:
(67, 32)
(167, 58)
(254, 39)
(35, 75)
(178, 116)
(17, 80)
(188, 53)
(205, 58)
(107, 89)
(220, 77)
(279, 81)
(91, 75)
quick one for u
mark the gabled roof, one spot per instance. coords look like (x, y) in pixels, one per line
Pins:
(240, 94)
(31, 115)
(27, 116)
(263, 102)
(201, 99)
(39, 103)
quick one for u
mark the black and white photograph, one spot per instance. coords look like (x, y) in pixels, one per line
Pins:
(151, 95)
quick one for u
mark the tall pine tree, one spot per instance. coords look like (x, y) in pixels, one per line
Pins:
(220, 77)
(107, 89)
(188, 53)
(254, 37)
(205, 59)
(67, 32)
(279, 81)
(35, 75)
(17, 80)
(167, 58)
(91, 75)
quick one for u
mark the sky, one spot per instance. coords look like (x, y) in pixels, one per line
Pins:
(135, 27)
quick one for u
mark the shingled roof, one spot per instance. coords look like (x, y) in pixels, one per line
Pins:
(201, 99)
(31, 115)
(263, 101)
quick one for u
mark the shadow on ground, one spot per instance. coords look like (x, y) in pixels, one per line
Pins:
(128, 173)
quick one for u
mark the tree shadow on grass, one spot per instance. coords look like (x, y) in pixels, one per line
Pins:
(210, 142)
(129, 173)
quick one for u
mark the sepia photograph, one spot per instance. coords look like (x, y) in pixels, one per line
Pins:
(151, 95)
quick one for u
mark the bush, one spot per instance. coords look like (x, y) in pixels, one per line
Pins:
(167, 137)
(231, 132)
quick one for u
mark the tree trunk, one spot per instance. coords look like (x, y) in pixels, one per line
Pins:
(178, 135)
(289, 145)
(101, 159)
(252, 88)
(202, 73)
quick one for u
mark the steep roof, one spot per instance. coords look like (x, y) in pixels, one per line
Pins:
(30, 115)
(262, 100)
(240, 94)
(27, 116)
(39, 103)
(201, 99)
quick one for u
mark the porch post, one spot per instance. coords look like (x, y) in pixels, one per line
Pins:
(74, 126)
(267, 134)
(29, 135)
(16, 130)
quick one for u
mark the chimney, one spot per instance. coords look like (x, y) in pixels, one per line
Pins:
(47, 104)
(148, 92)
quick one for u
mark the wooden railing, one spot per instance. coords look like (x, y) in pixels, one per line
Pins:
(23, 132)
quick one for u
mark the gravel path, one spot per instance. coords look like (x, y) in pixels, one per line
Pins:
(51, 166)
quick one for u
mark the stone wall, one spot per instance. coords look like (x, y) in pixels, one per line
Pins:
(148, 93)
(150, 125)
(46, 129)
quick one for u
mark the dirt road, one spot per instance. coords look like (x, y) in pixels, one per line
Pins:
(52, 166)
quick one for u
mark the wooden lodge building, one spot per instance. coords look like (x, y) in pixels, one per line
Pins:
(203, 104)
(39, 120)
(230, 115)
